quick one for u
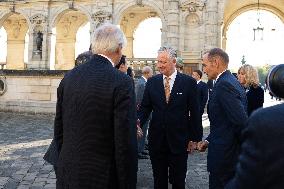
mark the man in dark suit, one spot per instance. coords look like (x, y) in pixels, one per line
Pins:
(261, 160)
(202, 90)
(95, 123)
(147, 73)
(227, 116)
(171, 97)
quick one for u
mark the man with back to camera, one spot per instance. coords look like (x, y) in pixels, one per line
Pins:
(170, 96)
(227, 115)
(95, 123)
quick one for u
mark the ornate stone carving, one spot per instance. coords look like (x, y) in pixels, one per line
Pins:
(139, 2)
(192, 5)
(101, 17)
(38, 21)
(66, 24)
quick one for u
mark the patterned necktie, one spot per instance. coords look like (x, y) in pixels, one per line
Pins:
(167, 88)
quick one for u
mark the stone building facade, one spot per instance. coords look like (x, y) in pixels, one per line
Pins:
(191, 26)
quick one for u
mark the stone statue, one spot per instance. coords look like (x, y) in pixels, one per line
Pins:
(39, 40)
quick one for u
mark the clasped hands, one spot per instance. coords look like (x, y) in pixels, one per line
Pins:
(200, 146)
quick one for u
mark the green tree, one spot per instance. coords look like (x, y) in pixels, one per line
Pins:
(262, 73)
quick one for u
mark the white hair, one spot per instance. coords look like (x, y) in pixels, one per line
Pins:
(147, 69)
(172, 52)
(107, 38)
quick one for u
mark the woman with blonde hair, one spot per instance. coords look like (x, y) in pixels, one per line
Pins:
(248, 77)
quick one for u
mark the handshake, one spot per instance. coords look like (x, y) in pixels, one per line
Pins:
(200, 146)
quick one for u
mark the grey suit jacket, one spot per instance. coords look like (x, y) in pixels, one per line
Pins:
(139, 90)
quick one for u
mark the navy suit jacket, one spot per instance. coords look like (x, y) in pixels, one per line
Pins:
(227, 116)
(203, 95)
(171, 122)
(261, 161)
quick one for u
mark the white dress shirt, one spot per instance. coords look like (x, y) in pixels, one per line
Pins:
(172, 80)
(107, 58)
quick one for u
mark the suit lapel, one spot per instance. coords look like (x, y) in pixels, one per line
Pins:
(160, 88)
(175, 87)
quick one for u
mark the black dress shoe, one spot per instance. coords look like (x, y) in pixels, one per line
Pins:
(141, 156)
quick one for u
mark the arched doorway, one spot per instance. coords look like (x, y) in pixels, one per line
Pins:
(258, 47)
(67, 25)
(147, 38)
(130, 15)
(82, 39)
(16, 27)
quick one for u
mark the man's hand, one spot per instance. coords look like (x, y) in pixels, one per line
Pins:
(202, 146)
(139, 132)
(191, 146)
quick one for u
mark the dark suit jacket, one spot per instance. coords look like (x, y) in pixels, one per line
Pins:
(202, 95)
(255, 98)
(171, 121)
(261, 161)
(227, 116)
(95, 128)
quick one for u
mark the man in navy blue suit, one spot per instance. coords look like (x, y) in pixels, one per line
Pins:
(261, 161)
(202, 90)
(175, 124)
(227, 115)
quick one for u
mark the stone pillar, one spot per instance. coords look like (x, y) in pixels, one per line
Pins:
(173, 24)
(65, 54)
(15, 54)
(128, 51)
(211, 26)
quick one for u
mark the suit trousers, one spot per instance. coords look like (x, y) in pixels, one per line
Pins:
(142, 141)
(218, 180)
(165, 163)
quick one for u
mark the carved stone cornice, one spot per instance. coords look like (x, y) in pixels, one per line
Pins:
(38, 21)
(192, 5)
(101, 17)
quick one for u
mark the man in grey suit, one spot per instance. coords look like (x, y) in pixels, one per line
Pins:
(147, 72)
(95, 123)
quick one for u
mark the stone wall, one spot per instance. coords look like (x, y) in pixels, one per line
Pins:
(30, 91)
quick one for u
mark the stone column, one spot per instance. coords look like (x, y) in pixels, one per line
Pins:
(173, 23)
(65, 54)
(129, 48)
(15, 54)
(211, 26)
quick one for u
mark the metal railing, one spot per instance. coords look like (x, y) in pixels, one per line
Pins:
(138, 63)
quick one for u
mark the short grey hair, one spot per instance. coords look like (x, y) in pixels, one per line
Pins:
(172, 52)
(147, 69)
(107, 38)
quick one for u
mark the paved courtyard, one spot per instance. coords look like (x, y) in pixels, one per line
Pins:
(24, 138)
